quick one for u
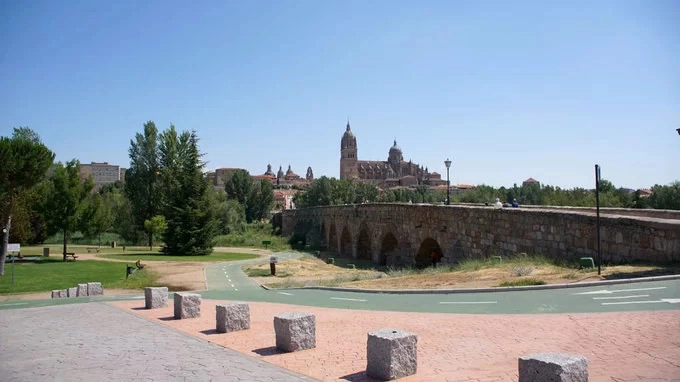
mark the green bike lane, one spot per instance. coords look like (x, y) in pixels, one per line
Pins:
(226, 281)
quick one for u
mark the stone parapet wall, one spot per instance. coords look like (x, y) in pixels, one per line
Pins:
(476, 231)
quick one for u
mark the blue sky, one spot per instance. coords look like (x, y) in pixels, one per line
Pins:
(507, 91)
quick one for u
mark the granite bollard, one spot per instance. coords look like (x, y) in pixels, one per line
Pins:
(72, 292)
(553, 367)
(82, 290)
(391, 354)
(59, 293)
(232, 317)
(187, 305)
(295, 331)
(95, 289)
(155, 297)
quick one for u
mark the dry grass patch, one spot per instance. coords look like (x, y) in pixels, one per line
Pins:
(306, 271)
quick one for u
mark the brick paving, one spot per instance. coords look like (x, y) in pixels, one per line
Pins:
(631, 346)
(98, 342)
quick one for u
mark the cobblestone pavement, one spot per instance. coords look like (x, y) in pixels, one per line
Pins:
(98, 342)
(623, 346)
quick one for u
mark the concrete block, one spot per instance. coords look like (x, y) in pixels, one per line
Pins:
(155, 297)
(391, 354)
(232, 317)
(59, 293)
(187, 305)
(553, 367)
(295, 331)
(95, 289)
(82, 290)
(72, 292)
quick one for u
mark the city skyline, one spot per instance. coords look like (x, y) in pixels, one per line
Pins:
(506, 91)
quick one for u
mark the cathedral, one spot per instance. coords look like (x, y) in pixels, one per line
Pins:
(394, 172)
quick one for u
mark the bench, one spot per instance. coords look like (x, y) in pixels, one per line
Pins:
(91, 249)
(70, 255)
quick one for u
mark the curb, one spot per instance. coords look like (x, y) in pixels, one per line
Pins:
(487, 290)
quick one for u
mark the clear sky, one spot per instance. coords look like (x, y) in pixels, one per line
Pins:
(507, 90)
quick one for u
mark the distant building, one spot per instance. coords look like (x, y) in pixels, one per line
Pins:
(530, 181)
(102, 173)
(394, 172)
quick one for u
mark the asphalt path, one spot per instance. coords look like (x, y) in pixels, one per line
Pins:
(226, 281)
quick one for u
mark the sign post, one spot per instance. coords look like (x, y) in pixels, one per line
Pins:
(597, 217)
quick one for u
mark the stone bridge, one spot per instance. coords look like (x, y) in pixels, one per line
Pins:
(410, 234)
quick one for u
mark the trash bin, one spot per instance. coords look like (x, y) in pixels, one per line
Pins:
(272, 265)
(46, 251)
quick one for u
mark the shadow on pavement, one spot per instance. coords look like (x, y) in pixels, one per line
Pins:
(357, 377)
(270, 350)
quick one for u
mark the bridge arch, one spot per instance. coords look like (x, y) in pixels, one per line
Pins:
(346, 243)
(389, 250)
(424, 255)
(364, 250)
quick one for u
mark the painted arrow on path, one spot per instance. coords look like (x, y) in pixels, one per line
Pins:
(605, 291)
(663, 300)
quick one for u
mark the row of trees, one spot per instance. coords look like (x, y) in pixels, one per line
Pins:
(330, 191)
(165, 195)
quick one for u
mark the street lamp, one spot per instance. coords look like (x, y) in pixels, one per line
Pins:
(447, 162)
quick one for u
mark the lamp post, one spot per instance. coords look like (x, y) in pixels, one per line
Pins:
(447, 162)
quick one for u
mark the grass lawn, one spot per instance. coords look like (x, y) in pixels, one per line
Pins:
(133, 256)
(52, 273)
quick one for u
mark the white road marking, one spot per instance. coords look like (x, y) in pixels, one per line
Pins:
(604, 291)
(347, 299)
(232, 285)
(16, 303)
(287, 294)
(663, 300)
(620, 297)
(468, 302)
(137, 297)
(236, 289)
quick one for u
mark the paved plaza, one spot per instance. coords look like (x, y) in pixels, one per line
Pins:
(122, 341)
(99, 342)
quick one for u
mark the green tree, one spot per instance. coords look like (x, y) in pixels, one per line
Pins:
(120, 211)
(666, 197)
(24, 162)
(256, 197)
(155, 226)
(189, 210)
(65, 201)
(95, 217)
(142, 178)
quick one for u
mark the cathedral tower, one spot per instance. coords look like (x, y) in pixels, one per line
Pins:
(348, 155)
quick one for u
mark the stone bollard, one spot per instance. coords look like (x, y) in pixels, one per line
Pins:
(553, 367)
(59, 293)
(155, 297)
(391, 354)
(187, 305)
(295, 331)
(94, 289)
(232, 317)
(82, 290)
(72, 292)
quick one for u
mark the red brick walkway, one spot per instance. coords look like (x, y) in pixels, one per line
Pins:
(635, 346)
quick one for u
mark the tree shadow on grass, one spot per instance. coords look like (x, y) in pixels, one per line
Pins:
(665, 271)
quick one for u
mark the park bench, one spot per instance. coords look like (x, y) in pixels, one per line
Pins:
(70, 255)
(91, 249)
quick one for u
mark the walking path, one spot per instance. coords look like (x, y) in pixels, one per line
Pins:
(98, 342)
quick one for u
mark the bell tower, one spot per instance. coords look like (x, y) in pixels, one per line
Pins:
(348, 155)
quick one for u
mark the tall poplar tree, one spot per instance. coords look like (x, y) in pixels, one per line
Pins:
(142, 178)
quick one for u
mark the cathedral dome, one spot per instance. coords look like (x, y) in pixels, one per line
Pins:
(348, 138)
(395, 148)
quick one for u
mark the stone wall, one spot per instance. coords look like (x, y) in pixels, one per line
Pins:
(408, 234)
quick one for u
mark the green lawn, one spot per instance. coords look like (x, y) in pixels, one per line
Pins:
(53, 273)
(155, 256)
